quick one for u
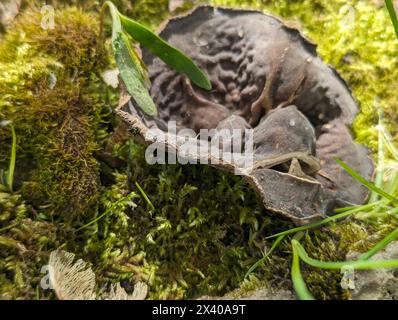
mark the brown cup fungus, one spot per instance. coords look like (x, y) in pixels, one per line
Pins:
(268, 80)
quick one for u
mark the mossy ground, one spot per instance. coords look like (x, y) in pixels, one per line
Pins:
(203, 228)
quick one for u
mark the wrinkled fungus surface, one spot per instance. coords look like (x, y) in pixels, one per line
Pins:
(266, 76)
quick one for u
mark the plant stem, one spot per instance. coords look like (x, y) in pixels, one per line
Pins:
(262, 260)
(359, 265)
(298, 282)
(11, 169)
(327, 220)
(380, 156)
(393, 15)
(104, 214)
(380, 246)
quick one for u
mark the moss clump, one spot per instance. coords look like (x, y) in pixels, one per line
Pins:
(24, 245)
(149, 12)
(51, 90)
(200, 237)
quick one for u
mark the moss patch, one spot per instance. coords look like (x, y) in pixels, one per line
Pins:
(50, 89)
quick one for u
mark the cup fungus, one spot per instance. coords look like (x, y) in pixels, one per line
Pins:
(266, 77)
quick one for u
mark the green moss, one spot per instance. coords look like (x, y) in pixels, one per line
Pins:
(149, 12)
(201, 238)
(24, 246)
(51, 91)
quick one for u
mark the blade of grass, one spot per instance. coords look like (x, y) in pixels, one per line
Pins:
(380, 245)
(390, 146)
(365, 206)
(170, 55)
(393, 15)
(380, 157)
(262, 260)
(393, 212)
(392, 187)
(359, 264)
(325, 221)
(145, 196)
(13, 157)
(371, 186)
(112, 207)
(298, 282)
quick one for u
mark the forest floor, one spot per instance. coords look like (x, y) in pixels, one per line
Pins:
(82, 185)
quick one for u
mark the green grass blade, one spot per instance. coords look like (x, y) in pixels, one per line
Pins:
(298, 282)
(390, 146)
(380, 158)
(392, 187)
(327, 220)
(393, 15)
(11, 167)
(380, 246)
(371, 186)
(170, 55)
(393, 212)
(112, 207)
(262, 260)
(145, 196)
(359, 264)
(133, 75)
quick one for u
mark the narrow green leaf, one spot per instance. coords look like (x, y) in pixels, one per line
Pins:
(325, 221)
(11, 167)
(359, 264)
(139, 63)
(380, 157)
(169, 54)
(390, 146)
(132, 74)
(145, 196)
(371, 186)
(393, 15)
(392, 187)
(262, 260)
(132, 69)
(298, 282)
(380, 245)
(114, 205)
